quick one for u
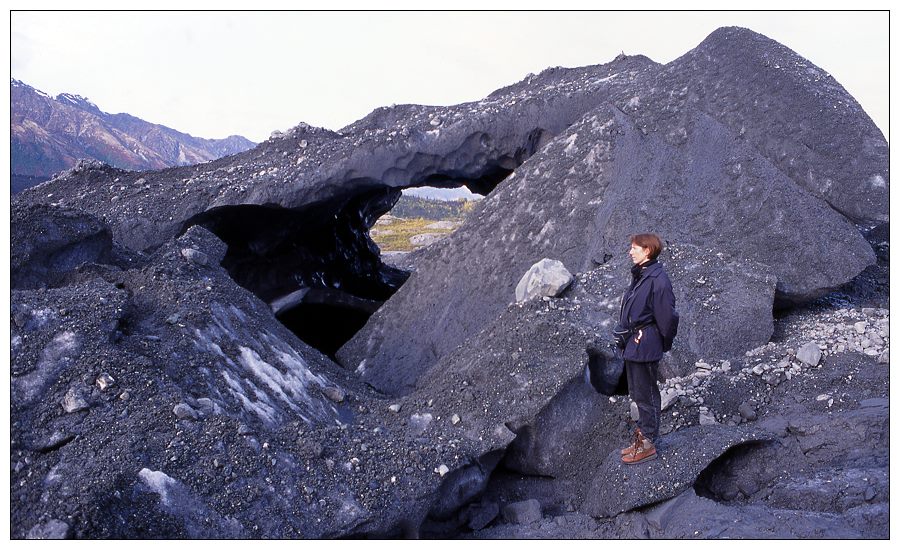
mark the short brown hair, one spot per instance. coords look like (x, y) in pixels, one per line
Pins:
(648, 240)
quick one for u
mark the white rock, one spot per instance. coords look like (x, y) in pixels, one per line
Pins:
(545, 278)
(455, 419)
(442, 470)
(823, 397)
(195, 256)
(860, 327)
(105, 381)
(395, 407)
(668, 398)
(810, 354)
(74, 401)
(335, 394)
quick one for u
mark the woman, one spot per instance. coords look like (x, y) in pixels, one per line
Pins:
(647, 325)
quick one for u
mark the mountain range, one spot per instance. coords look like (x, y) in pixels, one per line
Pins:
(49, 134)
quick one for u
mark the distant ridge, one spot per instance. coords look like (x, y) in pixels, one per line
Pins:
(49, 134)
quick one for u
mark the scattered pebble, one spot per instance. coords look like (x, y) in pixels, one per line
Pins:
(195, 256)
(105, 381)
(183, 410)
(74, 401)
(335, 394)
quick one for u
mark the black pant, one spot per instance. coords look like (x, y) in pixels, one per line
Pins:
(645, 393)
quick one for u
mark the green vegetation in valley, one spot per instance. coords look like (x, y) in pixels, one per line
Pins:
(412, 216)
(419, 207)
(395, 237)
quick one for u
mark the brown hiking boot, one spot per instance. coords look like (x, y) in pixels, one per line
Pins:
(643, 452)
(634, 442)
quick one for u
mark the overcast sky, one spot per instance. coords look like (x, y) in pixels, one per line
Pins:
(216, 74)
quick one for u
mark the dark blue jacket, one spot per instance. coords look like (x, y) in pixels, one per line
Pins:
(650, 307)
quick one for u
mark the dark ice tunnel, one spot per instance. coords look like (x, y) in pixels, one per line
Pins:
(315, 266)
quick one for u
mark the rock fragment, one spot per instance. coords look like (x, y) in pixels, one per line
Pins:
(707, 418)
(335, 394)
(74, 401)
(183, 410)
(195, 256)
(105, 381)
(810, 354)
(668, 398)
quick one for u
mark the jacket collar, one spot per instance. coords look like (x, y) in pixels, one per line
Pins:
(647, 270)
(651, 270)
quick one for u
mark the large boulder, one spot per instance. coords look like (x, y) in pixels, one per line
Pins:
(796, 115)
(545, 278)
